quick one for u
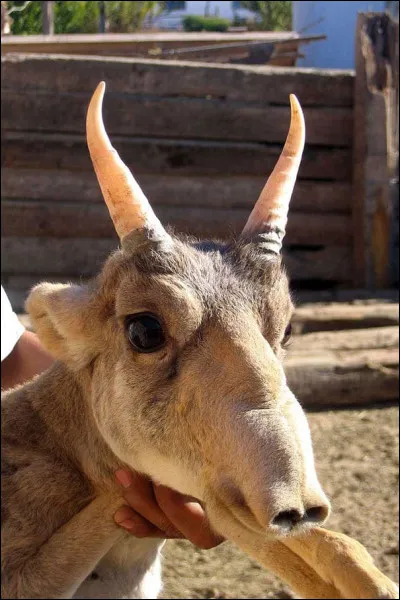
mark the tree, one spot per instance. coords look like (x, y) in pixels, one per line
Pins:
(273, 15)
(83, 16)
(126, 17)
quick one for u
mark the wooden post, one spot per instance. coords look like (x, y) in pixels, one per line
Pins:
(48, 18)
(376, 145)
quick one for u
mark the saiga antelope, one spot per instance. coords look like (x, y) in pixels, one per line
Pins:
(169, 363)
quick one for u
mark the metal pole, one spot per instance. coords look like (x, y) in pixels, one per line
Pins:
(102, 17)
(48, 18)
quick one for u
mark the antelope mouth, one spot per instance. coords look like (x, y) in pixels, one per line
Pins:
(242, 515)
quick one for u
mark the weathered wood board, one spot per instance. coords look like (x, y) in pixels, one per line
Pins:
(201, 140)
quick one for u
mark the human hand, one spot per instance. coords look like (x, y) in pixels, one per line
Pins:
(157, 511)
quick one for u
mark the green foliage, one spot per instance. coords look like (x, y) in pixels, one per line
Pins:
(126, 17)
(83, 16)
(76, 17)
(199, 23)
(272, 16)
(27, 21)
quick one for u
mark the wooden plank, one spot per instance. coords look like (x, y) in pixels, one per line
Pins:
(83, 257)
(345, 294)
(328, 379)
(352, 339)
(46, 219)
(332, 317)
(329, 264)
(187, 118)
(171, 156)
(251, 84)
(213, 192)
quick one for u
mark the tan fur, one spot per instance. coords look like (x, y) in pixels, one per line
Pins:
(210, 415)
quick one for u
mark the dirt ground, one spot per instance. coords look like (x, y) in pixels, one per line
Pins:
(357, 457)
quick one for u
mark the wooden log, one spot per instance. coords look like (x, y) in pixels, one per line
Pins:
(336, 379)
(213, 192)
(83, 257)
(210, 119)
(171, 156)
(345, 294)
(62, 220)
(353, 339)
(308, 319)
(261, 85)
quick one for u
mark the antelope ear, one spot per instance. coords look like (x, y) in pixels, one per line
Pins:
(269, 216)
(129, 208)
(61, 318)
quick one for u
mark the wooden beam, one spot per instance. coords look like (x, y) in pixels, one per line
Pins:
(187, 118)
(233, 83)
(83, 257)
(375, 147)
(337, 316)
(26, 149)
(62, 220)
(351, 339)
(222, 191)
(337, 379)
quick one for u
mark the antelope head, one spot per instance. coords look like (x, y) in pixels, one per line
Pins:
(183, 344)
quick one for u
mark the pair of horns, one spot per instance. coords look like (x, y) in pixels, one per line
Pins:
(131, 211)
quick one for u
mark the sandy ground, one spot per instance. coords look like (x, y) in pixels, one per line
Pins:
(357, 456)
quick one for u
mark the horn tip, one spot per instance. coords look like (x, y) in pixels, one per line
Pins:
(101, 88)
(294, 103)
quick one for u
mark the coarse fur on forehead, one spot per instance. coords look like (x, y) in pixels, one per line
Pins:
(223, 279)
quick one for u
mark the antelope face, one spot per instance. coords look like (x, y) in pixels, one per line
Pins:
(198, 376)
(185, 343)
(199, 396)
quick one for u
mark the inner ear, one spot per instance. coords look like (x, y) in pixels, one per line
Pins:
(61, 317)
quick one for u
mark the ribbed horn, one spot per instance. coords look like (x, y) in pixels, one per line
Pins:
(269, 215)
(129, 208)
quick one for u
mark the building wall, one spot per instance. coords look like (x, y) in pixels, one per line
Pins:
(335, 19)
(223, 9)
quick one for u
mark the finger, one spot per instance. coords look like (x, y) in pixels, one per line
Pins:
(188, 517)
(139, 495)
(135, 524)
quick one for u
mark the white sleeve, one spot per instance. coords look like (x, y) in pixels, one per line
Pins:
(11, 327)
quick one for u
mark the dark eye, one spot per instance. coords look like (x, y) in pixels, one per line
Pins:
(288, 333)
(145, 332)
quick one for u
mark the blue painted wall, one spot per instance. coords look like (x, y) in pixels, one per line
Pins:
(337, 20)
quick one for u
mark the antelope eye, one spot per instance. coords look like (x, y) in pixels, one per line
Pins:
(145, 332)
(288, 333)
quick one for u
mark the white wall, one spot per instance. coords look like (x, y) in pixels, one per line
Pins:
(337, 20)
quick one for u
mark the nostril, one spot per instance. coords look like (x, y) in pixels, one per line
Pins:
(316, 514)
(287, 519)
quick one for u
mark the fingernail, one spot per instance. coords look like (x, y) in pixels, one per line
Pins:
(127, 524)
(121, 515)
(124, 478)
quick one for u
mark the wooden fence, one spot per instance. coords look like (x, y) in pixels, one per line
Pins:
(201, 140)
(279, 48)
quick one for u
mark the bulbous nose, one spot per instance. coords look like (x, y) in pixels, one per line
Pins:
(286, 520)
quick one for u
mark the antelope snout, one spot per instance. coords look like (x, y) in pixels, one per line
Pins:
(278, 513)
(287, 520)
